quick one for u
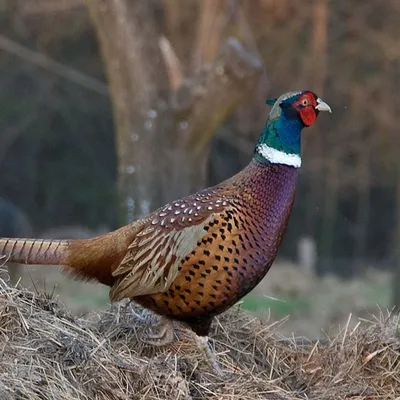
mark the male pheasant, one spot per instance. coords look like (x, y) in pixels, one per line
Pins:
(195, 257)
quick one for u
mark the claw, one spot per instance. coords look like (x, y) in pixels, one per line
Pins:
(161, 334)
(209, 355)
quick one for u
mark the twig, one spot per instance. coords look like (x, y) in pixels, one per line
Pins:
(174, 67)
(56, 67)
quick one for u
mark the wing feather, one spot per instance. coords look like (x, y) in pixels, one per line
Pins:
(152, 261)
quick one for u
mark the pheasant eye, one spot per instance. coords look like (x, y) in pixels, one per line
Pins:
(304, 102)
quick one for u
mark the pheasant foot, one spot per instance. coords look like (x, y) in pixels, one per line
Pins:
(160, 334)
(209, 355)
(136, 315)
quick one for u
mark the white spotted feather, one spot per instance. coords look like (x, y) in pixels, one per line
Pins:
(152, 261)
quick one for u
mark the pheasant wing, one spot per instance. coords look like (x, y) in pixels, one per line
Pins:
(170, 234)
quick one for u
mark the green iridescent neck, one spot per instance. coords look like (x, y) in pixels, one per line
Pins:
(280, 141)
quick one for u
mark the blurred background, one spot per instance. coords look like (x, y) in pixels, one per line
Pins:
(111, 108)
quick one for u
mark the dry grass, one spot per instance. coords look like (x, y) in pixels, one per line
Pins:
(322, 304)
(47, 354)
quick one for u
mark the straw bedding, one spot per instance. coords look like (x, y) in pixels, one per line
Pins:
(48, 354)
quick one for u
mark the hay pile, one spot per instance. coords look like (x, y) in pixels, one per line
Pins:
(47, 354)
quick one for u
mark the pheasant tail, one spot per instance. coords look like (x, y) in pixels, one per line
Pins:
(89, 259)
(34, 251)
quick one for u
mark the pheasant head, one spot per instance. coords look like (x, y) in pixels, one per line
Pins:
(280, 141)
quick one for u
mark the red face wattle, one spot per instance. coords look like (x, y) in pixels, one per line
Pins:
(305, 106)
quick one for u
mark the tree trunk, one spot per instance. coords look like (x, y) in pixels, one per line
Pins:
(138, 85)
(163, 126)
(318, 77)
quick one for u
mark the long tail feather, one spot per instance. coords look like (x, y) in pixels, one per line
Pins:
(34, 251)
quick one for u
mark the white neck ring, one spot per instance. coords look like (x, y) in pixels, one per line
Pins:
(275, 156)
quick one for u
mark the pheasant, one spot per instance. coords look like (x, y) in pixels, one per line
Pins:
(196, 257)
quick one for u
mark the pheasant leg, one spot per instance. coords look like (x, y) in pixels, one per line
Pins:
(160, 334)
(209, 355)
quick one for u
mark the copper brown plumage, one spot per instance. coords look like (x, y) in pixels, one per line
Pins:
(195, 257)
(243, 221)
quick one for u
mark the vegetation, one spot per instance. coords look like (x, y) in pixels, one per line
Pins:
(102, 358)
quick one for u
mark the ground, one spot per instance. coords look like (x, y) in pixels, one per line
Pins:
(46, 353)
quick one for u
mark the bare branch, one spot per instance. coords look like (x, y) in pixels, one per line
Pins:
(180, 28)
(123, 25)
(213, 20)
(206, 100)
(320, 39)
(45, 62)
(174, 67)
(48, 6)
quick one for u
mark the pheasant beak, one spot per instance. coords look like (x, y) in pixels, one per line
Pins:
(322, 106)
